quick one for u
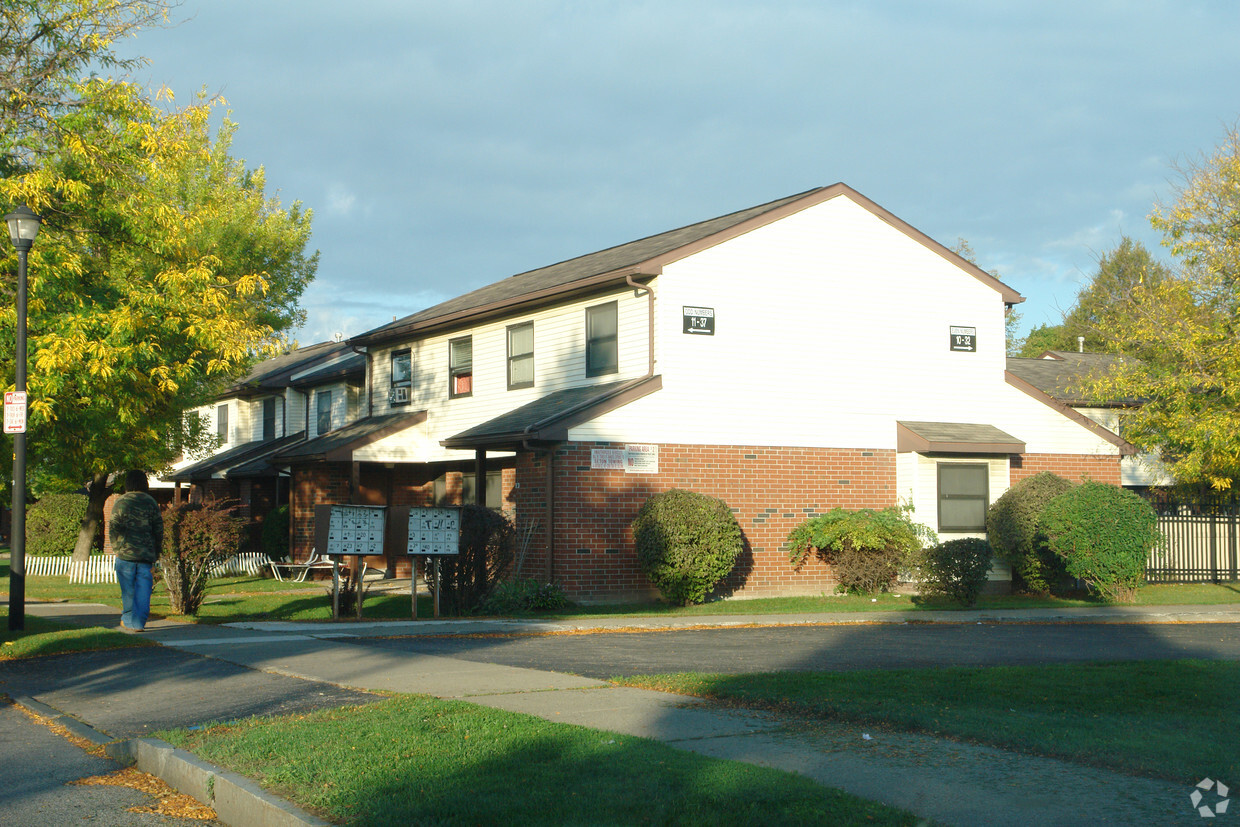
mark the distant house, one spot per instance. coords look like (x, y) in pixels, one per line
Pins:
(808, 353)
(1059, 374)
(315, 388)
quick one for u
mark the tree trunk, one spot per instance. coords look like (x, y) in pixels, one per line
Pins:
(97, 495)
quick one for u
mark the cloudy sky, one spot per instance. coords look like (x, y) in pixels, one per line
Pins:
(446, 145)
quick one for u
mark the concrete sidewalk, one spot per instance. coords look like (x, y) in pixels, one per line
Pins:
(950, 782)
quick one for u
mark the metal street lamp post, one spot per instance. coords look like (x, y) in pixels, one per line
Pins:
(23, 227)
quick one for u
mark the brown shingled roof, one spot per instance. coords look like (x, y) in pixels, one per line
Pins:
(644, 257)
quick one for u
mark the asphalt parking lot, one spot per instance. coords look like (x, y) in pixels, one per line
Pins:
(736, 650)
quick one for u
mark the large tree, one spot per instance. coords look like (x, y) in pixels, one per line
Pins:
(1101, 304)
(1183, 330)
(47, 46)
(163, 269)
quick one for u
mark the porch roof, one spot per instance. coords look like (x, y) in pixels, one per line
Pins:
(339, 445)
(549, 418)
(251, 456)
(955, 438)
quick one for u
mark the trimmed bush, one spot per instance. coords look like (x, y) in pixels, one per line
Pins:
(275, 533)
(196, 537)
(957, 569)
(53, 523)
(488, 543)
(516, 596)
(867, 549)
(1013, 531)
(686, 543)
(1105, 535)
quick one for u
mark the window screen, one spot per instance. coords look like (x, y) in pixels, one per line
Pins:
(324, 411)
(964, 494)
(269, 419)
(521, 356)
(461, 366)
(602, 349)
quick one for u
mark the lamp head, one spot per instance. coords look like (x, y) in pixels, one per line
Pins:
(23, 227)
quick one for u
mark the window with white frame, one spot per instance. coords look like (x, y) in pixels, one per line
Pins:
(402, 376)
(221, 422)
(521, 356)
(602, 339)
(964, 495)
(461, 367)
(323, 403)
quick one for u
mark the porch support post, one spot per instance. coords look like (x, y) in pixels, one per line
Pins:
(480, 477)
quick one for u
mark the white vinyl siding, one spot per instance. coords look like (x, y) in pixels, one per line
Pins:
(830, 326)
(560, 341)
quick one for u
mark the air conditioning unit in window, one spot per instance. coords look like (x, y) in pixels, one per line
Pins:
(398, 396)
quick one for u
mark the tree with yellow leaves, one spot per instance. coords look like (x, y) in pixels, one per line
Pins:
(1182, 331)
(162, 271)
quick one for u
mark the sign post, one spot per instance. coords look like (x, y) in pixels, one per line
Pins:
(352, 531)
(433, 533)
(15, 412)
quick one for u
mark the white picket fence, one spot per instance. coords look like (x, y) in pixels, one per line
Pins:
(100, 567)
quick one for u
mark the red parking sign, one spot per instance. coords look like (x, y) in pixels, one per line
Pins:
(15, 412)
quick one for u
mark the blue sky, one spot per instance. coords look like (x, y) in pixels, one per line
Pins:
(446, 145)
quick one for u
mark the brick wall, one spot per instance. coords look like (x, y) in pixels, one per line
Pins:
(1075, 467)
(403, 484)
(770, 490)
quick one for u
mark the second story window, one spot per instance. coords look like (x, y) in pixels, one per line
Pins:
(602, 348)
(269, 419)
(461, 366)
(221, 422)
(521, 356)
(324, 410)
(402, 375)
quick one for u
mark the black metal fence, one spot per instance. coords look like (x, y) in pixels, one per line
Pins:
(1202, 534)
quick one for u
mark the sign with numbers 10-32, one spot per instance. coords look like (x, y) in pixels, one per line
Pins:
(434, 532)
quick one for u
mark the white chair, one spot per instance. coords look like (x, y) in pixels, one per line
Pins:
(297, 571)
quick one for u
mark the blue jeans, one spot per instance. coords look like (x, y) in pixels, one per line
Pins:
(136, 582)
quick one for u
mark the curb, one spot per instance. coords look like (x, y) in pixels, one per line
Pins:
(237, 800)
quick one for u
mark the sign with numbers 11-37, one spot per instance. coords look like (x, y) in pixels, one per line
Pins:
(434, 532)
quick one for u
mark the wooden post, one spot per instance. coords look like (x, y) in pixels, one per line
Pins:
(335, 589)
(437, 581)
(413, 585)
(357, 589)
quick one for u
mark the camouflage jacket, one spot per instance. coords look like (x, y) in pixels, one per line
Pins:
(136, 528)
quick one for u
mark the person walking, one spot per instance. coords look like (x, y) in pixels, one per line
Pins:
(136, 530)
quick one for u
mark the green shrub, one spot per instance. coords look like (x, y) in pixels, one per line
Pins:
(275, 533)
(686, 543)
(1013, 531)
(516, 596)
(53, 523)
(957, 569)
(488, 543)
(1105, 535)
(867, 549)
(196, 537)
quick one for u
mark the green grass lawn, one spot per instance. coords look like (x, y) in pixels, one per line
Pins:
(44, 637)
(261, 598)
(1170, 719)
(413, 759)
